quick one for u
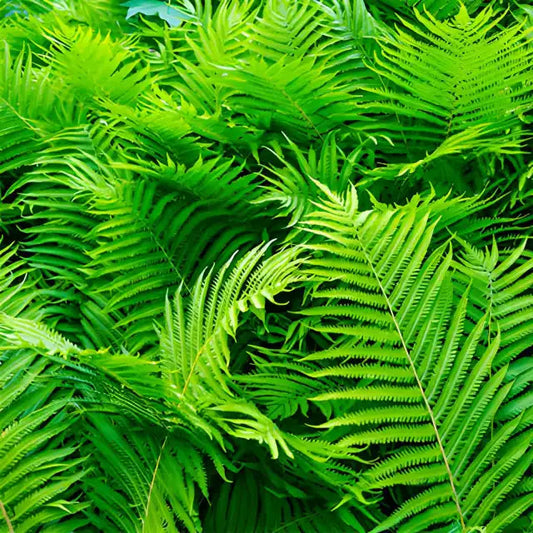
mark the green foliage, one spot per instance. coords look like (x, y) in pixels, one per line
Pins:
(265, 266)
(391, 315)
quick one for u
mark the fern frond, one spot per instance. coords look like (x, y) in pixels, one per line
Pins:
(456, 84)
(149, 242)
(500, 288)
(96, 66)
(293, 186)
(443, 391)
(196, 339)
(160, 475)
(39, 480)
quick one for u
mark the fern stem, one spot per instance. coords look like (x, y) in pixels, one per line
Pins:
(302, 112)
(195, 362)
(152, 483)
(168, 257)
(6, 518)
(420, 386)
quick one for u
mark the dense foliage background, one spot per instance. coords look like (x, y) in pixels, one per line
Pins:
(264, 266)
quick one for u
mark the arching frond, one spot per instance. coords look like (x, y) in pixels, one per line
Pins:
(453, 86)
(196, 340)
(412, 373)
